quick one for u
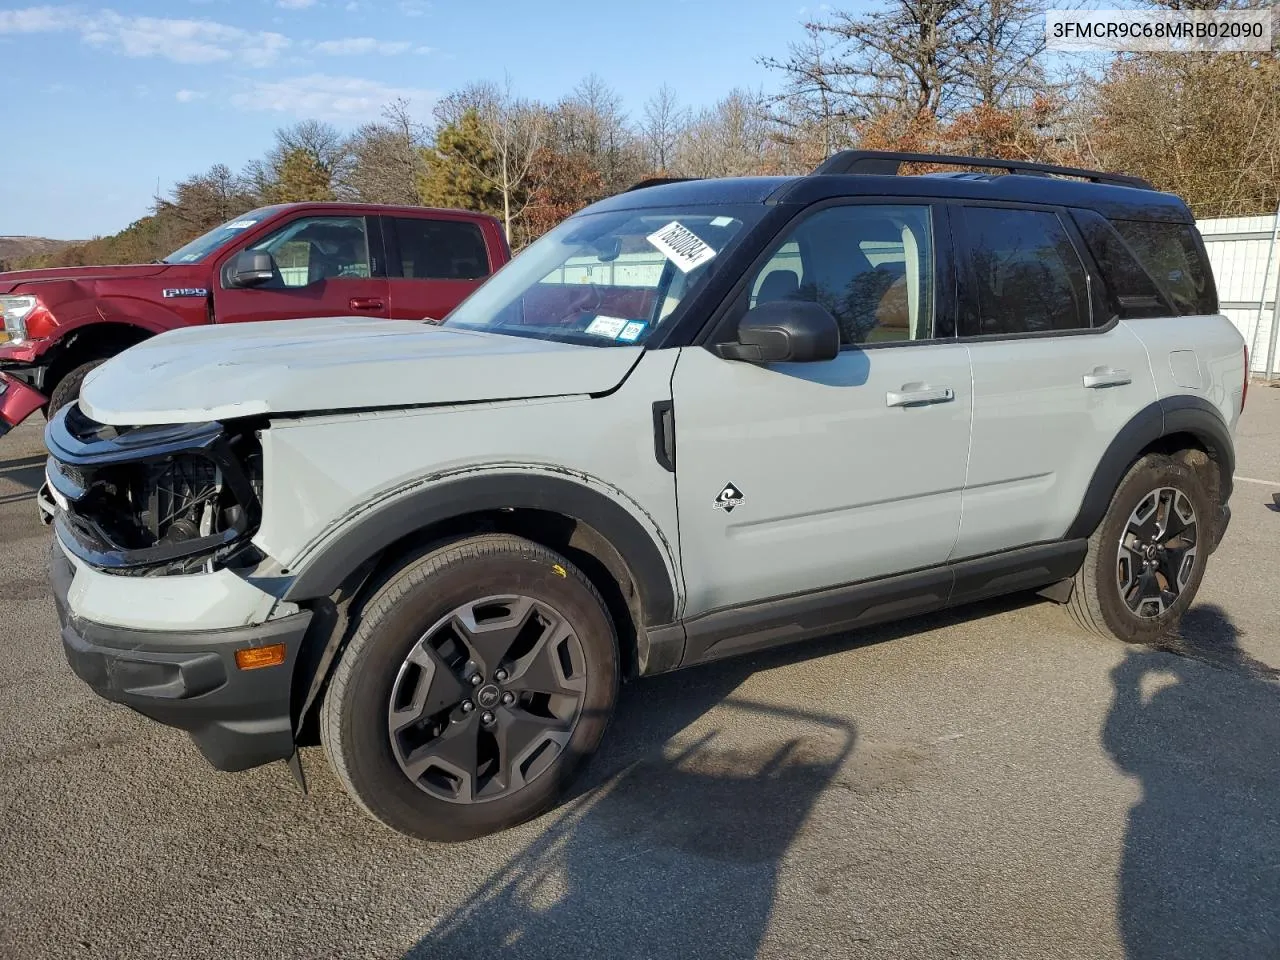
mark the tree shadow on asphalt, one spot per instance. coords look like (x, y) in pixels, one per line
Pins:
(674, 845)
(1200, 730)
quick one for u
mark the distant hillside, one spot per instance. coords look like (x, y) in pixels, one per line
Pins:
(13, 249)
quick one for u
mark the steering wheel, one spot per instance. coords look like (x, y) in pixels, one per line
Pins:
(590, 302)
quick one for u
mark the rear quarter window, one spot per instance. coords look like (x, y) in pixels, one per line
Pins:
(1169, 253)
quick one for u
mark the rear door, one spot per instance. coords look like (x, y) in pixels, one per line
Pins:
(435, 263)
(1055, 374)
(326, 266)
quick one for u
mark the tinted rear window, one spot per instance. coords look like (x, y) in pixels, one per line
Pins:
(1170, 254)
(1029, 276)
(441, 249)
(1131, 292)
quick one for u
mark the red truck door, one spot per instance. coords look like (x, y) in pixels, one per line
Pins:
(434, 262)
(328, 265)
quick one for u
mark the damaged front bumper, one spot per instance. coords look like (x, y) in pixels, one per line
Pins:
(18, 400)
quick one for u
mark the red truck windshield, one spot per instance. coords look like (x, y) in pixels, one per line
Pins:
(203, 245)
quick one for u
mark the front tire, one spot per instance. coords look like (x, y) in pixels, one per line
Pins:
(68, 388)
(1147, 557)
(478, 680)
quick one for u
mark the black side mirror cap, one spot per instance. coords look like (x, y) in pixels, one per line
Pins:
(784, 331)
(252, 268)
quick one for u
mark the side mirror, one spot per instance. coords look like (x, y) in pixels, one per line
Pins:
(252, 268)
(782, 331)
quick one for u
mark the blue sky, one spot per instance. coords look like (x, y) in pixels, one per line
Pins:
(106, 102)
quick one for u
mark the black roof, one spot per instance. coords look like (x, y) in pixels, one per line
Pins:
(1120, 202)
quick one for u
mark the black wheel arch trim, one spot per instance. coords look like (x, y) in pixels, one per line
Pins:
(1181, 414)
(363, 538)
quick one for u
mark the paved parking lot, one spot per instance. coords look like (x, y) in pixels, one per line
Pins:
(986, 783)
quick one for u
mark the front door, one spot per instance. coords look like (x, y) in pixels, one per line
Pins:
(792, 477)
(324, 268)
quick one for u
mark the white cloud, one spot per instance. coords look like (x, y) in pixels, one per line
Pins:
(36, 20)
(179, 40)
(360, 46)
(326, 97)
(186, 96)
(295, 4)
(414, 8)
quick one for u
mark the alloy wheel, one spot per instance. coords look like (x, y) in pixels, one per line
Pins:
(1157, 552)
(487, 699)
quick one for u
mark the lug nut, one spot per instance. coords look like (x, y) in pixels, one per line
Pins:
(475, 679)
(500, 675)
(467, 706)
(487, 717)
(508, 698)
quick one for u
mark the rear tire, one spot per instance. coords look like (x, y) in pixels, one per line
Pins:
(478, 680)
(68, 388)
(1147, 557)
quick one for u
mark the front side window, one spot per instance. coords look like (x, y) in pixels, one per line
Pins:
(1170, 254)
(607, 279)
(313, 249)
(1028, 275)
(441, 249)
(870, 265)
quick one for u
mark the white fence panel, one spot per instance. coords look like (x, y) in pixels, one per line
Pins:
(1246, 266)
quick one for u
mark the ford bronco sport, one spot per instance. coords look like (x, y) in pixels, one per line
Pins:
(276, 263)
(696, 419)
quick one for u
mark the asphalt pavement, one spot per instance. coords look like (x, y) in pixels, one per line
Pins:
(987, 783)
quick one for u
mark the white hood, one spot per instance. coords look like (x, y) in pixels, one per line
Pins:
(335, 363)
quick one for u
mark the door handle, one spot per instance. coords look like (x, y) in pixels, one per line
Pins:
(1106, 377)
(918, 394)
(366, 303)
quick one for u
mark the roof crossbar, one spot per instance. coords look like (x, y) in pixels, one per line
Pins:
(886, 163)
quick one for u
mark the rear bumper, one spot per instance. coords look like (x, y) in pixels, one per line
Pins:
(18, 400)
(189, 679)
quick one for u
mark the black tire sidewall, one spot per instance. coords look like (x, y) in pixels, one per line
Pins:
(68, 389)
(392, 631)
(1146, 477)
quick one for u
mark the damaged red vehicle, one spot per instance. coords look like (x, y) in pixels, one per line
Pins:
(274, 263)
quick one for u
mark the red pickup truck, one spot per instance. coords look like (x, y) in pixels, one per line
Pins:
(275, 263)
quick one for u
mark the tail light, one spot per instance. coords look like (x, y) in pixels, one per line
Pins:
(1244, 392)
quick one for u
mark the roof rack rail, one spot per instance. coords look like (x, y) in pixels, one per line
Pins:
(657, 182)
(886, 163)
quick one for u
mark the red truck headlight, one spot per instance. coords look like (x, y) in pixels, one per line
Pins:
(14, 311)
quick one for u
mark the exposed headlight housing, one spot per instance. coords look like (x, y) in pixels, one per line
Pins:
(14, 310)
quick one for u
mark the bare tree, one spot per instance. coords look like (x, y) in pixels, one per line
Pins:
(591, 121)
(515, 130)
(664, 121)
(387, 157)
(817, 106)
(731, 139)
(999, 47)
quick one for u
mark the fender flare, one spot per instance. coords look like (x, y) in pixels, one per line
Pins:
(1193, 415)
(323, 573)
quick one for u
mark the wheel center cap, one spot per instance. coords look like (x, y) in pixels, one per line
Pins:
(488, 695)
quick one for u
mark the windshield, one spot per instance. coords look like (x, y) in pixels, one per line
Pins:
(607, 279)
(203, 245)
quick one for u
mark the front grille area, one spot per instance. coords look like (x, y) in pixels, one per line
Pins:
(153, 500)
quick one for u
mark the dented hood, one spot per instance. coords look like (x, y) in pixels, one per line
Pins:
(336, 363)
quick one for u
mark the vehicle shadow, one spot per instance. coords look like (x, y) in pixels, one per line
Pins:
(1200, 876)
(25, 472)
(675, 844)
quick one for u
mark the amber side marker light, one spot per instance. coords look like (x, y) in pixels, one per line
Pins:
(255, 657)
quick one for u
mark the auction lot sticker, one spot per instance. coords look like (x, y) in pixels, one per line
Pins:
(681, 246)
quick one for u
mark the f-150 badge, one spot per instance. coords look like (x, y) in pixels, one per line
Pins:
(186, 292)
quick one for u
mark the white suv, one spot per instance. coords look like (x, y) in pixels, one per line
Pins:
(696, 419)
